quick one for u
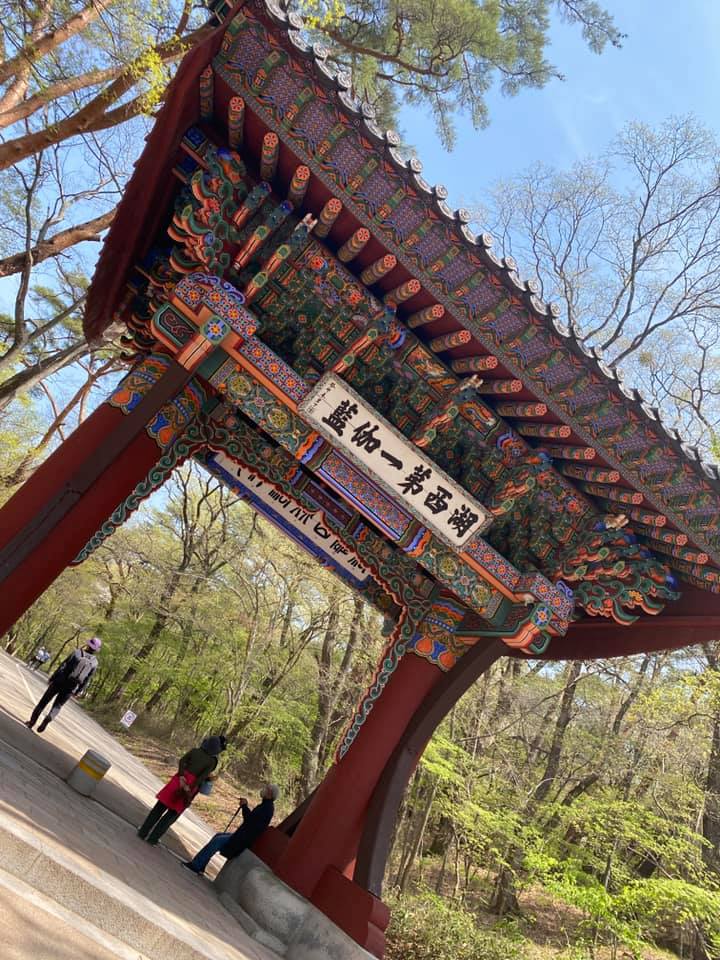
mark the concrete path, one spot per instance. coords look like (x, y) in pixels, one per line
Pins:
(81, 858)
(36, 927)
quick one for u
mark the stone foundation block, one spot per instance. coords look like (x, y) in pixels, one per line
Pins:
(275, 915)
(272, 904)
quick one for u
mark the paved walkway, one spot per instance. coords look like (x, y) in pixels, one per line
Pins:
(81, 857)
(35, 927)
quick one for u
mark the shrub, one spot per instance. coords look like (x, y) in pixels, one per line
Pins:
(427, 927)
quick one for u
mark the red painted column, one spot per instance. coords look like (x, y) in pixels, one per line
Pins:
(57, 478)
(330, 831)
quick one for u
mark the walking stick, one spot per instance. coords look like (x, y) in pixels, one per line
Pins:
(227, 828)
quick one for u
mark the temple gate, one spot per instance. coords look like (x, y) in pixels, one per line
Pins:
(308, 319)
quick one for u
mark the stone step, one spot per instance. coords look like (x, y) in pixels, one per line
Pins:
(82, 890)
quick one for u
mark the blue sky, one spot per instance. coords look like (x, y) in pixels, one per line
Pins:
(668, 64)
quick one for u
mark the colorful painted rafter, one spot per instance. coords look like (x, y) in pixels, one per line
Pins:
(463, 277)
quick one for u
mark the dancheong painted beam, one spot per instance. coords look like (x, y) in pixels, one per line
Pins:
(569, 386)
(308, 319)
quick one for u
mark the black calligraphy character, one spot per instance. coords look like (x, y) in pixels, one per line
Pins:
(393, 461)
(364, 437)
(438, 501)
(340, 416)
(413, 482)
(462, 520)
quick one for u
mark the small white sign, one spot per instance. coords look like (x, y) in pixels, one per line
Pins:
(128, 719)
(307, 526)
(377, 448)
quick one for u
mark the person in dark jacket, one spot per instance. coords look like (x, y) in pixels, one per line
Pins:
(40, 657)
(70, 679)
(194, 769)
(231, 845)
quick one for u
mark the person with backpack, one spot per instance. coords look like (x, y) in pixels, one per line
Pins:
(195, 772)
(40, 657)
(70, 679)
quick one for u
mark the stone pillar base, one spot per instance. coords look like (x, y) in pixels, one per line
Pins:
(275, 915)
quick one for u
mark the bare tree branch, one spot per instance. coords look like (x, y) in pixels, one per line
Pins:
(96, 115)
(61, 241)
(39, 47)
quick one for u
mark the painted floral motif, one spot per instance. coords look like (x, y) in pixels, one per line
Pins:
(435, 638)
(174, 416)
(215, 330)
(219, 296)
(279, 373)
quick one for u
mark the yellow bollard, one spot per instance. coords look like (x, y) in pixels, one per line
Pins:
(88, 772)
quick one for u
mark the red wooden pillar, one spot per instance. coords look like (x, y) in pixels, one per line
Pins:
(318, 859)
(329, 833)
(48, 521)
(359, 797)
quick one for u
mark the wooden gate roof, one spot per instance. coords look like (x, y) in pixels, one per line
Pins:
(553, 390)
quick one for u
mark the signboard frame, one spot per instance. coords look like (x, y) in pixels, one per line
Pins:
(310, 410)
(233, 473)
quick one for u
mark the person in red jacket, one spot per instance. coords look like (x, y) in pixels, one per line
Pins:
(194, 769)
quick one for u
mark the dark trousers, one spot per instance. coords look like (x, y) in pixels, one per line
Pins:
(61, 693)
(157, 822)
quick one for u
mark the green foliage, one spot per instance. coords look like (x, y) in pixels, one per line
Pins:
(18, 429)
(213, 620)
(428, 927)
(78, 82)
(443, 760)
(319, 13)
(665, 903)
(445, 56)
(641, 910)
(602, 821)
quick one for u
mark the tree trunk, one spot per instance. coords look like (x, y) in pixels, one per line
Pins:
(711, 810)
(63, 647)
(168, 682)
(11, 640)
(508, 673)
(157, 696)
(104, 110)
(441, 873)
(404, 826)
(504, 899)
(33, 643)
(561, 724)
(32, 376)
(342, 678)
(417, 838)
(456, 884)
(161, 618)
(81, 232)
(311, 755)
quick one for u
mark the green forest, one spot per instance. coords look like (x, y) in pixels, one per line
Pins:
(565, 810)
(562, 809)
